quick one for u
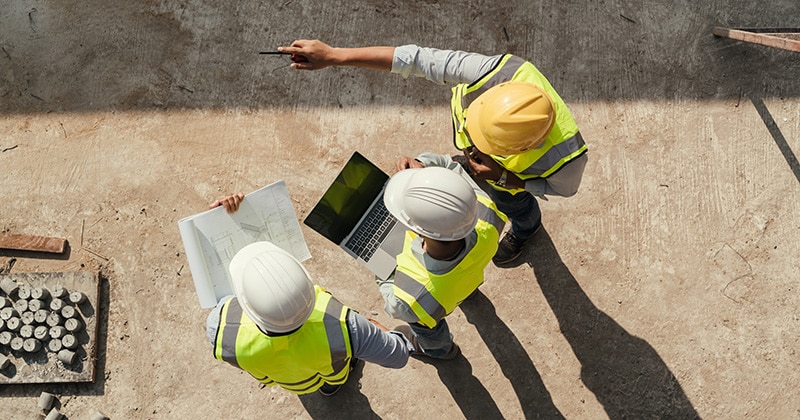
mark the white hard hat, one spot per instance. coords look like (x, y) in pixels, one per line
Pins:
(273, 288)
(434, 202)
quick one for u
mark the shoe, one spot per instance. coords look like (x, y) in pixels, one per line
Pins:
(328, 390)
(509, 249)
(453, 353)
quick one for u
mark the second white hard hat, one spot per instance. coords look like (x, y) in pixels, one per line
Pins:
(434, 202)
(273, 288)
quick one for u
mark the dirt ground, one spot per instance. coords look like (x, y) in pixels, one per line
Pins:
(666, 288)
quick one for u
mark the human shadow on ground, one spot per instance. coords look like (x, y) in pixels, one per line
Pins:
(624, 372)
(347, 403)
(514, 361)
(468, 392)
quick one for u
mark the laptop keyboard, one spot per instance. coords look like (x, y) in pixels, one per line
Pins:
(372, 231)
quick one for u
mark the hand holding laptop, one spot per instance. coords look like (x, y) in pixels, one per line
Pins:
(406, 162)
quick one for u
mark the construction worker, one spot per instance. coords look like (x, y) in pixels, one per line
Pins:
(285, 331)
(453, 229)
(515, 130)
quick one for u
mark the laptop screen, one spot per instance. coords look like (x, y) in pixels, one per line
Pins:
(347, 199)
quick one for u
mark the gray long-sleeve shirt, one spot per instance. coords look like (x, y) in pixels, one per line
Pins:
(368, 342)
(453, 67)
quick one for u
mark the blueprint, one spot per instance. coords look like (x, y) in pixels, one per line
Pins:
(213, 237)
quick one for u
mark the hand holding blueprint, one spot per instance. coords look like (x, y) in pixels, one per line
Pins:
(213, 237)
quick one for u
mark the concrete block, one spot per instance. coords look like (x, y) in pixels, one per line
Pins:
(24, 292)
(66, 356)
(46, 401)
(16, 343)
(31, 345)
(68, 312)
(54, 319)
(56, 304)
(13, 324)
(40, 293)
(41, 333)
(40, 317)
(69, 341)
(27, 318)
(54, 414)
(8, 312)
(57, 331)
(77, 297)
(73, 325)
(100, 416)
(21, 305)
(59, 292)
(26, 331)
(54, 345)
(36, 304)
(10, 287)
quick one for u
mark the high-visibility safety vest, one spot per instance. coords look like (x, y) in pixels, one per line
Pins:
(432, 296)
(560, 146)
(302, 361)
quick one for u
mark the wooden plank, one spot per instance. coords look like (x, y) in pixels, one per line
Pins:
(771, 37)
(32, 243)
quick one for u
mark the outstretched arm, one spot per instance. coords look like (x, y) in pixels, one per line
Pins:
(321, 55)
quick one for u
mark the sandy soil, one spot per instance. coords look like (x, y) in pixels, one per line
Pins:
(667, 288)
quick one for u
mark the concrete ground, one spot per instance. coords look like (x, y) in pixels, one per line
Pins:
(666, 288)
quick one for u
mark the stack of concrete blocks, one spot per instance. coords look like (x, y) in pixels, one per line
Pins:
(36, 319)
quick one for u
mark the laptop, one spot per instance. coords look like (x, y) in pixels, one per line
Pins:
(352, 215)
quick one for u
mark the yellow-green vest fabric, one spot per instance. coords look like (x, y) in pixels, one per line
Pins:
(561, 145)
(433, 296)
(318, 352)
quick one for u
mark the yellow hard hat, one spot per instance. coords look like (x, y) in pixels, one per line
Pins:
(510, 118)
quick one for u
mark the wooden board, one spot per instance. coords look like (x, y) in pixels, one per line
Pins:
(32, 243)
(44, 366)
(783, 38)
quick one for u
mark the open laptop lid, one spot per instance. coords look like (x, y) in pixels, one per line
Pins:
(347, 199)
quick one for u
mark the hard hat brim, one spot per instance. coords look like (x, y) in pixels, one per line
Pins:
(476, 135)
(393, 195)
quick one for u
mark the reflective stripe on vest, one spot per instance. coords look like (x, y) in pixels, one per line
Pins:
(563, 144)
(432, 296)
(318, 352)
